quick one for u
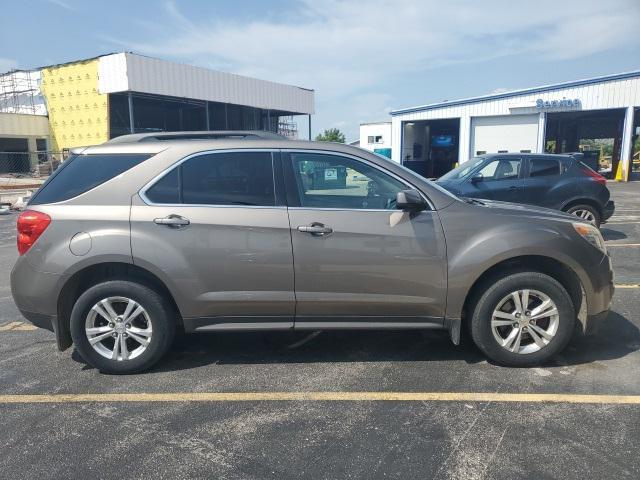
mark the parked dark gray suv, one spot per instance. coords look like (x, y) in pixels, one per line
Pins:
(560, 182)
(130, 240)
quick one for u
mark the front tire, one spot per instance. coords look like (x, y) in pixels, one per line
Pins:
(122, 327)
(523, 320)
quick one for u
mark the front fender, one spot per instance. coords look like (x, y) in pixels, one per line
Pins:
(473, 254)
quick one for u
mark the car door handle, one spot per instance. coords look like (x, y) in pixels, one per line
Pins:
(316, 229)
(172, 221)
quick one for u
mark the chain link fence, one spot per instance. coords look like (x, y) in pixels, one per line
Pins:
(21, 173)
(27, 170)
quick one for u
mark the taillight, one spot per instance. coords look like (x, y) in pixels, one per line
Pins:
(30, 225)
(595, 175)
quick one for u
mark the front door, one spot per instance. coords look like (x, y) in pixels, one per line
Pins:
(214, 230)
(500, 179)
(357, 258)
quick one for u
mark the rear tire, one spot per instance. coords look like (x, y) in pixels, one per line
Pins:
(130, 325)
(586, 212)
(496, 325)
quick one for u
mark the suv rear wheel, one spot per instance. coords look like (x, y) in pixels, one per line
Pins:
(586, 212)
(122, 326)
(523, 319)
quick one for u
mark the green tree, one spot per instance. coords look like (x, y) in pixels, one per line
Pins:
(331, 135)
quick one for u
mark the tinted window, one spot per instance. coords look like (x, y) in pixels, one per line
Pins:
(542, 167)
(243, 178)
(81, 173)
(502, 169)
(165, 190)
(339, 182)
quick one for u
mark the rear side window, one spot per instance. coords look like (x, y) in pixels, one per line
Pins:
(544, 167)
(237, 178)
(81, 173)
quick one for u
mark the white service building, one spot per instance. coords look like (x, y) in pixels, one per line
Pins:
(376, 137)
(560, 118)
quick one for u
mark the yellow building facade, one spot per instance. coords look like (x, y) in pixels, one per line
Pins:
(78, 112)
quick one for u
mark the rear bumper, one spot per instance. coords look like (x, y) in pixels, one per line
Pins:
(36, 296)
(608, 211)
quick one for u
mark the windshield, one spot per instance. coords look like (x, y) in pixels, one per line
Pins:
(463, 170)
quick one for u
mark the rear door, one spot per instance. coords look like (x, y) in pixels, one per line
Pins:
(216, 228)
(546, 184)
(358, 260)
(501, 179)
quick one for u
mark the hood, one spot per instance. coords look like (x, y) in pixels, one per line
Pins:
(520, 210)
(451, 185)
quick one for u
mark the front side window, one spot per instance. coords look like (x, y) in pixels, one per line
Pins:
(544, 167)
(235, 178)
(333, 181)
(501, 169)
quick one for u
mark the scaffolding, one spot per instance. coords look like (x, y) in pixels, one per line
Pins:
(20, 93)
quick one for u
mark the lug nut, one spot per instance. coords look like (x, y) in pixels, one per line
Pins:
(114, 334)
(128, 325)
(518, 315)
(532, 322)
(527, 313)
(111, 325)
(514, 325)
(125, 335)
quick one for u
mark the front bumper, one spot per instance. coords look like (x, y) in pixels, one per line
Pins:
(599, 302)
(595, 321)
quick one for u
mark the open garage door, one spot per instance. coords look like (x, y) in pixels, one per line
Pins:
(506, 133)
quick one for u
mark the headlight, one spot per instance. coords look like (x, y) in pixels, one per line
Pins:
(591, 234)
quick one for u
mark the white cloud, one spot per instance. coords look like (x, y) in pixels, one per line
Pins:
(345, 49)
(62, 4)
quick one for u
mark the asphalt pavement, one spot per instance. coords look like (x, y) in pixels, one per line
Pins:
(448, 429)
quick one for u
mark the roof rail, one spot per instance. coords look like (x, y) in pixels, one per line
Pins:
(199, 135)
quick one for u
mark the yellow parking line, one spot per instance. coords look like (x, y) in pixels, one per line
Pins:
(322, 397)
(17, 327)
(627, 285)
(623, 245)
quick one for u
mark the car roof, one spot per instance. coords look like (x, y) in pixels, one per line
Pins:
(199, 145)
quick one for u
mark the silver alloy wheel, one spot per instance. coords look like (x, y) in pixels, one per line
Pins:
(118, 328)
(525, 321)
(585, 215)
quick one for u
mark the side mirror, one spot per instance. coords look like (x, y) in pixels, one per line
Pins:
(410, 200)
(477, 178)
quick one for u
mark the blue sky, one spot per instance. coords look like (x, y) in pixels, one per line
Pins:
(362, 58)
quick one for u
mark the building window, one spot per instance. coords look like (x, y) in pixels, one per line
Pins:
(374, 139)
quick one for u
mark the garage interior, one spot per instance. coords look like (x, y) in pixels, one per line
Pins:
(430, 147)
(597, 134)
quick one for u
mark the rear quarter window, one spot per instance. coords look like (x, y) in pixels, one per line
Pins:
(81, 173)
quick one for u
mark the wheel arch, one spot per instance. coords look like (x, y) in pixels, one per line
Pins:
(94, 274)
(556, 269)
(584, 201)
